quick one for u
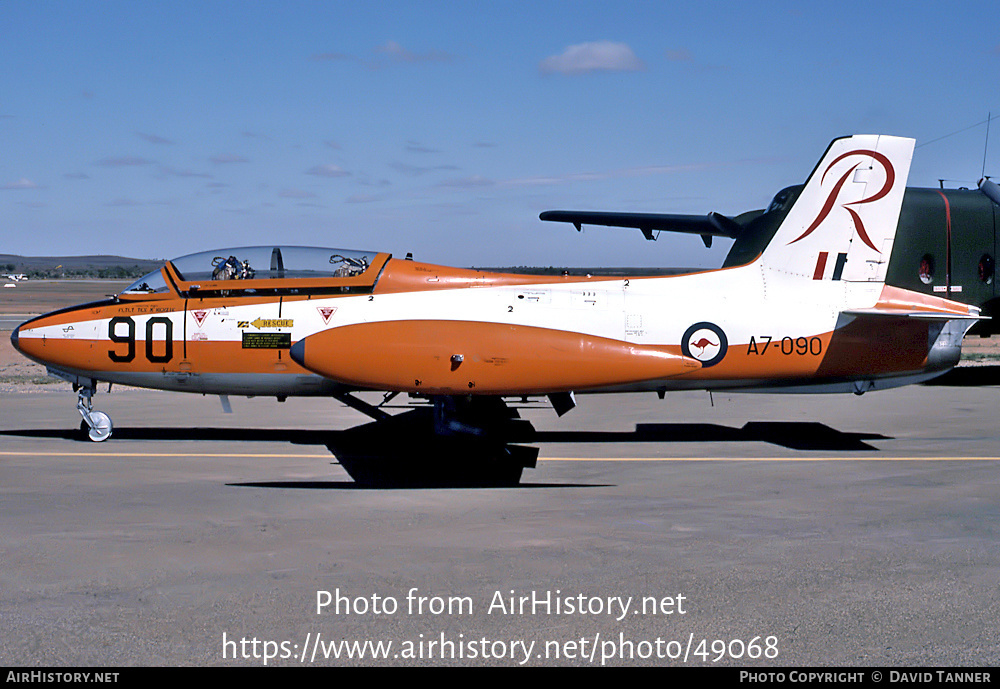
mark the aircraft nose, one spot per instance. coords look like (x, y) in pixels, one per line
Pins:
(13, 338)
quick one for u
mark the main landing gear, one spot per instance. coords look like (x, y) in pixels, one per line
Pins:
(96, 424)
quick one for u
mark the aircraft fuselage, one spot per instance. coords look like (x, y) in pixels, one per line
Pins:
(436, 330)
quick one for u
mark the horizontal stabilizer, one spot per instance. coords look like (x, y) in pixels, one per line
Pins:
(924, 315)
(713, 224)
(894, 302)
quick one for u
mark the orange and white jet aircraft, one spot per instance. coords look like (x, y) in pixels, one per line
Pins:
(810, 313)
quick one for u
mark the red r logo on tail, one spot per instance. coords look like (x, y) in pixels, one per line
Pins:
(890, 178)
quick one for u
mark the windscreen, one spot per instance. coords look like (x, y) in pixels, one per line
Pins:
(150, 283)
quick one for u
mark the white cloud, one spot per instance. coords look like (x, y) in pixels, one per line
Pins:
(124, 161)
(167, 171)
(603, 56)
(327, 171)
(154, 139)
(417, 147)
(228, 158)
(397, 53)
(468, 182)
(21, 184)
(417, 170)
(126, 203)
(623, 173)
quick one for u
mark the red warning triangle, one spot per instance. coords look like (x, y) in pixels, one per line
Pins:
(326, 312)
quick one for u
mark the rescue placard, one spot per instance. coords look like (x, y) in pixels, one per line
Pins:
(272, 323)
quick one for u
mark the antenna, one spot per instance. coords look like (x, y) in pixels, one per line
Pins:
(989, 116)
(959, 131)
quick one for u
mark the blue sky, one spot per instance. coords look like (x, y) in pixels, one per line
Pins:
(155, 129)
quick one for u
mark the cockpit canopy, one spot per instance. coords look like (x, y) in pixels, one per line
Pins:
(260, 263)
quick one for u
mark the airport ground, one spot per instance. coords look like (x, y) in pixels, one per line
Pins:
(830, 530)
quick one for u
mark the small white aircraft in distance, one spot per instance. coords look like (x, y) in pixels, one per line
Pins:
(16, 277)
(810, 313)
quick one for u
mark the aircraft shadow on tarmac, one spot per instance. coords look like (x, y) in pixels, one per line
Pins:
(377, 459)
(795, 435)
(402, 485)
(968, 377)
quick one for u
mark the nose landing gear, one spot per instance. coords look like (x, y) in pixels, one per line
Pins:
(95, 424)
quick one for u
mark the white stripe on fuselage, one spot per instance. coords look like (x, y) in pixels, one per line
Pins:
(744, 301)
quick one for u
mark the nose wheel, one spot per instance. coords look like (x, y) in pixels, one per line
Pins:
(96, 424)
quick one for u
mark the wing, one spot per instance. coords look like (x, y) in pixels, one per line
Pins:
(708, 226)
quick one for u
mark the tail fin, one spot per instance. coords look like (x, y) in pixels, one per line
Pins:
(844, 221)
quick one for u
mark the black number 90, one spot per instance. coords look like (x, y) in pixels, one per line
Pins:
(115, 335)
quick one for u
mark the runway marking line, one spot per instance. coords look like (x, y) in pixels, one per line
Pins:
(769, 459)
(541, 459)
(149, 454)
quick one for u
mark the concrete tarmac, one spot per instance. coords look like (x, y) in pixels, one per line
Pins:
(781, 530)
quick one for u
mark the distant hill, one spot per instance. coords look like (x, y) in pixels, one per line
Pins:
(48, 267)
(124, 268)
